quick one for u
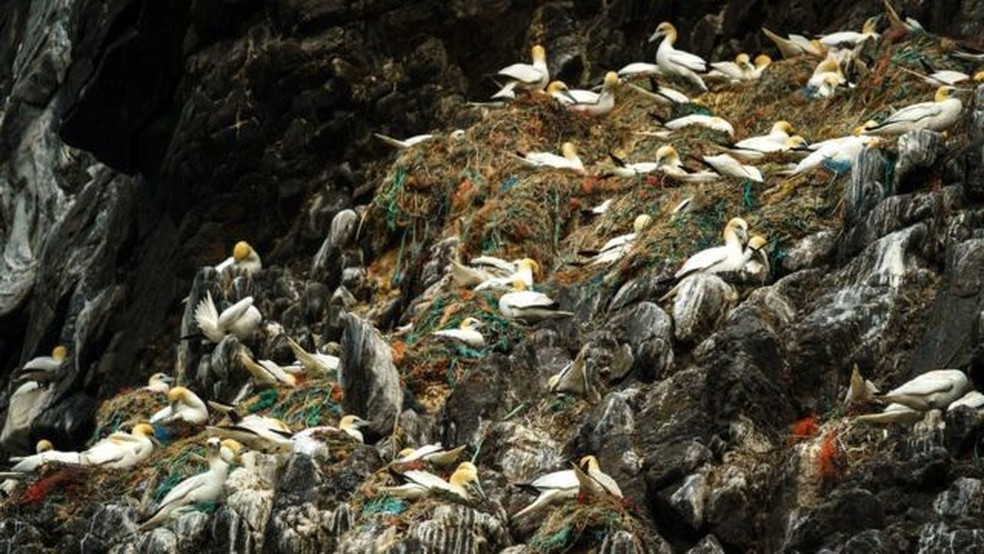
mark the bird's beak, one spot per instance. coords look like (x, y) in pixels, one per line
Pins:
(478, 489)
(569, 96)
(655, 36)
(743, 235)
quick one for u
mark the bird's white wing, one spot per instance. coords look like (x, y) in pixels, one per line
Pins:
(183, 489)
(492, 261)
(426, 479)
(522, 72)
(760, 144)
(234, 312)
(703, 260)
(688, 60)
(556, 480)
(584, 96)
(914, 113)
(546, 159)
(841, 37)
(934, 381)
(640, 69)
(207, 317)
(618, 241)
(530, 299)
(730, 69)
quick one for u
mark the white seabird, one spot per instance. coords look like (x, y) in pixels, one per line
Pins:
(467, 332)
(266, 372)
(553, 487)
(726, 165)
(260, 433)
(528, 305)
(43, 369)
(567, 161)
(598, 481)
(244, 258)
(669, 163)
(121, 450)
(45, 454)
(938, 115)
(435, 454)
(185, 406)
(677, 62)
(860, 390)
(720, 259)
(464, 483)
(242, 319)
(617, 247)
(838, 154)
(158, 383)
(526, 268)
(198, 489)
(795, 45)
(713, 123)
(526, 76)
(405, 143)
(314, 363)
(850, 39)
(932, 390)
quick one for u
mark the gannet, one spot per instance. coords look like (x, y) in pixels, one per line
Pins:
(405, 143)
(713, 123)
(938, 115)
(860, 390)
(529, 305)
(43, 369)
(260, 433)
(185, 406)
(771, 142)
(825, 79)
(932, 390)
(431, 453)
(602, 103)
(850, 39)
(350, 424)
(739, 70)
(616, 248)
(199, 489)
(624, 169)
(720, 259)
(973, 399)
(726, 165)
(121, 450)
(944, 77)
(553, 487)
(314, 363)
(764, 148)
(45, 454)
(598, 481)
(312, 441)
(795, 45)
(670, 164)
(242, 319)
(837, 154)
(574, 378)
(569, 160)
(664, 96)
(467, 332)
(243, 259)
(266, 371)
(525, 270)
(639, 70)
(481, 269)
(677, 62)
(464, 482)
(522, 75)
(159, 383)
(756, 266)
(600, 208)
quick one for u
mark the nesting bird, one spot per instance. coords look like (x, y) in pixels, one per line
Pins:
(266, 372)
(533, 76)
(43, 369)
(121, 450)
(713, 123)
(938, 115)
(933, 390)
(726, 165)
(435, 454)
(244, 259)
(569, 159)
(185, 406)
(46, 453)
(850, 39)
(467, 333)
(158, 383)
(528, 305)
(525, 270)
(677, 62)
(669, 163)
(720, 259)
(198, 489)
(314, 363)
(464, 483)
(795, 45)
(242, 319)
(618, 247)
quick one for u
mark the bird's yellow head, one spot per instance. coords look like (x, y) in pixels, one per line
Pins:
(351, 421)
(405, 452)
(611, 79)
(864, 127)
(831, 80)
(870, 25)
(44, 445)
(666, 29)
(241, 251)
(762, 61)
(59, 352)
(177, 394)
(796, 141)
(470, 324)
(569, 150)
(757, 242)
(142, 430)
(828, 65)
(743, 59)
(944, 93)
(780, 127)
(465, 474)
(739, 227)
(979, 76)
(667, 154)
(641, 222)
(530, 264)
(588, 463)
(538, 53)
(233, 445)
(556, 86)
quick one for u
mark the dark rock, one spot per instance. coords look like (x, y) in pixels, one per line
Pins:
(648, 329)
(369, 379)
(918, 152)
(701, 302)
(707, 545)
(848, 510)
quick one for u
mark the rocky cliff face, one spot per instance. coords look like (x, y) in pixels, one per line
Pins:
(140, 140)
